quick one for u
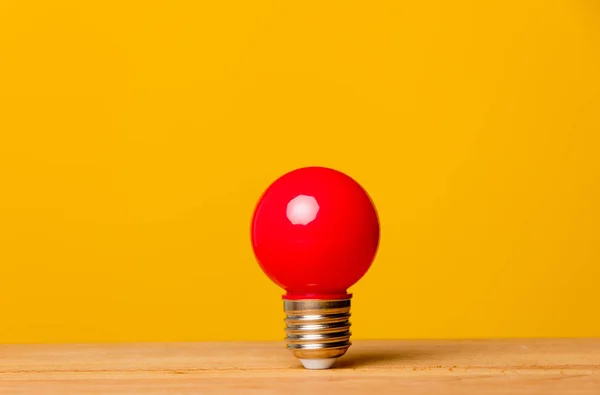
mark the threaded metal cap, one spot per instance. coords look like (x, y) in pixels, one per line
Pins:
(317, 329)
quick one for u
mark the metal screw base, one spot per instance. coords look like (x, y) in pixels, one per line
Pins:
(317, 329)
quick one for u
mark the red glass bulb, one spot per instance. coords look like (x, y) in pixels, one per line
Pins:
(315, 233)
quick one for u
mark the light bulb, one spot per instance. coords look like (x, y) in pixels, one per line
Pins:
(315, 233)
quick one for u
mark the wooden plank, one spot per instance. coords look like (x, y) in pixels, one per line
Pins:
(566, 366)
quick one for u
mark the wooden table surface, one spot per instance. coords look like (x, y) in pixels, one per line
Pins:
(370, 367)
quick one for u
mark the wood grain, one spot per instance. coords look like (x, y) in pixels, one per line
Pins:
(566, 366)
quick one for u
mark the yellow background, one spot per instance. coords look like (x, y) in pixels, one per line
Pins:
(136, 137)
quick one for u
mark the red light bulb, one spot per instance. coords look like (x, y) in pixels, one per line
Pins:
(315, 233)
